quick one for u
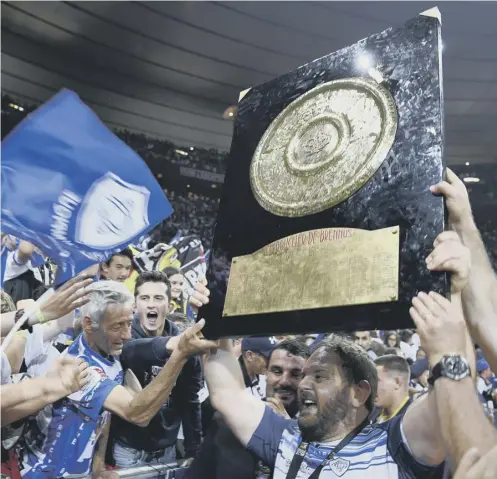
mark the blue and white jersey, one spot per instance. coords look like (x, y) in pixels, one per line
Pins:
(61, 439)
(378, 452)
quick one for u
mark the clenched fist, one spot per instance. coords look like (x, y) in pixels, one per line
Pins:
(191, 342)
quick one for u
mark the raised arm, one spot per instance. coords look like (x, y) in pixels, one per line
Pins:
(142, 407)
(479, 297)
(24, 252)
(60, 304)
(449, 255)
(241, 411)
(461, 418)
(67, 375)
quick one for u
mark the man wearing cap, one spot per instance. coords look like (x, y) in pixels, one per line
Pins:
(222, 455)
(484, 383)
(253, 362)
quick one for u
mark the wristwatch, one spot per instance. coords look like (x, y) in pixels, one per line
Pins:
(451, 366)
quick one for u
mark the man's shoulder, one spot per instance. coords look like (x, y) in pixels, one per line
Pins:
(97, 364)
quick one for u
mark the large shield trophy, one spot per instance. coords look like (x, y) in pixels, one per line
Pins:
(326, 216)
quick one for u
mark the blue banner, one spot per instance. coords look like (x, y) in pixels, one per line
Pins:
(73, 188)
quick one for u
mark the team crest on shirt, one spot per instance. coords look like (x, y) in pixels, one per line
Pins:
(339, 466)
(113, 211)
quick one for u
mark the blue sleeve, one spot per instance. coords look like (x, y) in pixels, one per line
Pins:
(90, 400)
(399, 449)
(266, 438)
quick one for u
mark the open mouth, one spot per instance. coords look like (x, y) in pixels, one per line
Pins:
(285, 395)
(152, 317)
(307, 404)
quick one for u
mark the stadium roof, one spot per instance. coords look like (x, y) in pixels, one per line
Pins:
(170, 69)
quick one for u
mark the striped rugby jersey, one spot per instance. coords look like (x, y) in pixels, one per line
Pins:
(61, 439)
(378, 452)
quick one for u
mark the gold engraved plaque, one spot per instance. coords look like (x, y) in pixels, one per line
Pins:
(323, 147)
(316, 269)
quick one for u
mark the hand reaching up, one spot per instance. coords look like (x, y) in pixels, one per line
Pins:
(452, 256)
(456, 199)
(191, 341)
(440, 326)
(66, 299)
(201, 293)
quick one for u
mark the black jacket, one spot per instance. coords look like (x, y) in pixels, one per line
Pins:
(222, 455)
(145, 357)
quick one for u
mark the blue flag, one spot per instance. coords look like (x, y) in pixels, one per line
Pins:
(73, 188)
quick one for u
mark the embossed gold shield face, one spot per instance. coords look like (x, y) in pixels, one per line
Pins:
(323, 147)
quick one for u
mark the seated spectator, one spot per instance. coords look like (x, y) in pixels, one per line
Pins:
(62, 439)
(146, 357)
(392, 396)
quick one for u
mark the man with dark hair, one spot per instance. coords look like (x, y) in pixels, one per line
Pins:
(155, 338)
(222, 455)
(332, 436)
(392, 396)
(118, 266)
(182, 321)
(285, 371)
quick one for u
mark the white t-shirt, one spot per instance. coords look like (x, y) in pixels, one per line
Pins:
(258, 389)
(13, 268)
(482, 385)
(409, 350)
(39, 355)
(6, 369)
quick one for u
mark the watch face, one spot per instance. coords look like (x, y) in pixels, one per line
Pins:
(454, 367)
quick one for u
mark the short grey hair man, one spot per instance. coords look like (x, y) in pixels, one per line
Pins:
(107, 317)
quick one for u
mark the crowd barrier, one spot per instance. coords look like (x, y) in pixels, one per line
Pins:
(162, 471)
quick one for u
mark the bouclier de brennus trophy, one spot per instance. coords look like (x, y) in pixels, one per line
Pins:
(326, 217)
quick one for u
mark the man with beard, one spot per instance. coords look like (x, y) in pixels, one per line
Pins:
(222, 455)
(333, 436)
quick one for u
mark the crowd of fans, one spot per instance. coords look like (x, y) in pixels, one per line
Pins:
(191, 157)
(110, 371)
(195, 213)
